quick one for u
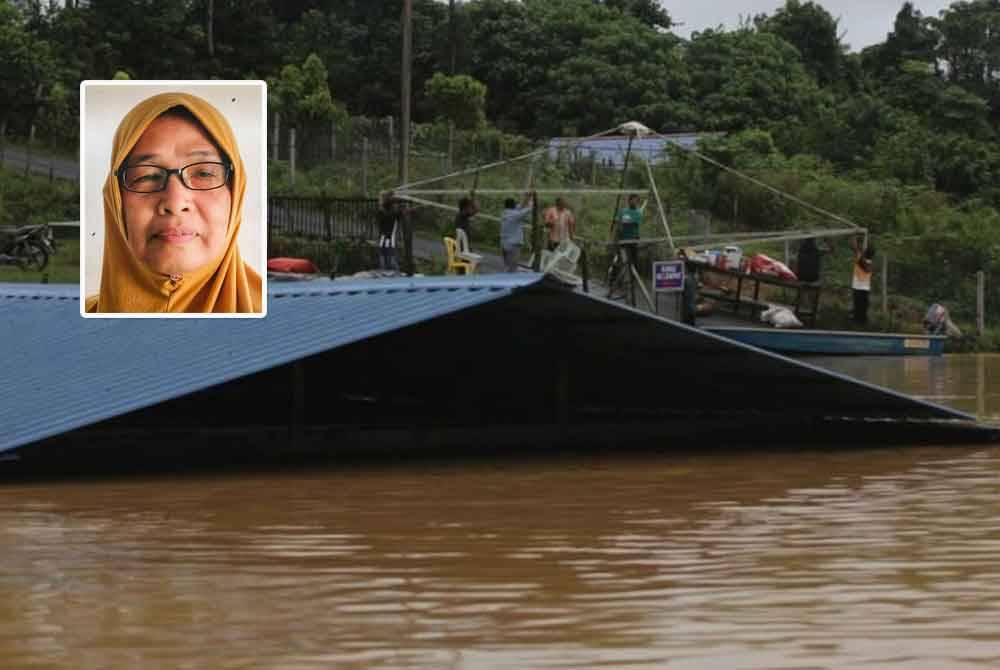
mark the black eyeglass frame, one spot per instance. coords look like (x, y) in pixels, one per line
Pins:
(177, 171)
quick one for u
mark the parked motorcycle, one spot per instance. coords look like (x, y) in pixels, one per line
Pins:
(28, 247)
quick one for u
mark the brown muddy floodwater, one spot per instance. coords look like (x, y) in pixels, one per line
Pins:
(875, 558)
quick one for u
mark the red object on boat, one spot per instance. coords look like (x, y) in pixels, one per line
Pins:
(300, 265)
(765, 265)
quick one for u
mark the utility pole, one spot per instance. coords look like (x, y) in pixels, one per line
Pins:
(404, 121)
(451, 71)
(211, 20)
(451, 35)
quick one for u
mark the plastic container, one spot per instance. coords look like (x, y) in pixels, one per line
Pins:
(732, 255)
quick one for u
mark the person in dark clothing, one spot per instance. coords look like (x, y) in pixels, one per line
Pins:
(467, 208)
(389, 219)
(810, 260)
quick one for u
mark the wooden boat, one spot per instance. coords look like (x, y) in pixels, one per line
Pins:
(833, 342)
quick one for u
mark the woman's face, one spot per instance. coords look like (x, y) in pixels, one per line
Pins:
(176, 230)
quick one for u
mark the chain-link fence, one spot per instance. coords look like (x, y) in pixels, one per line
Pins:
(364, 152)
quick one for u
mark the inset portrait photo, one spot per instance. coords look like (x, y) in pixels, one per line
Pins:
(173, 198)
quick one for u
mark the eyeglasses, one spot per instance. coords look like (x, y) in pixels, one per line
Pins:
(153, 178)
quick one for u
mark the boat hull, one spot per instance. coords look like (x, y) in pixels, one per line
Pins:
(834, 342)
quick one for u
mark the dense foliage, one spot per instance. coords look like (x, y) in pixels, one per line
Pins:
(903, 135)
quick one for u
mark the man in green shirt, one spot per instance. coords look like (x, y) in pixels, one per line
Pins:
(626, 227)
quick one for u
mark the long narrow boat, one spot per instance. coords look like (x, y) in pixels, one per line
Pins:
(833, 342)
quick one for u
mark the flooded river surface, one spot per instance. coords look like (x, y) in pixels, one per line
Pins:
(858, 558)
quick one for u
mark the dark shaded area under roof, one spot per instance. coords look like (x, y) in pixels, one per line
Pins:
(467, 364)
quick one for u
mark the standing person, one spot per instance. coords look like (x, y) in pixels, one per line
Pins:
(388, 219)
(512, 231)
(625, 226)
(561, 223)
(467, 208)
(810, 260)
(861, 282)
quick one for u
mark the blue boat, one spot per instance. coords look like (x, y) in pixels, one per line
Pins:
(833, 342)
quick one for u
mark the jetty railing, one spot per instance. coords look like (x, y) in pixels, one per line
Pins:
(322, 218)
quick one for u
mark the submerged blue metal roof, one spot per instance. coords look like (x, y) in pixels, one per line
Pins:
(63, 371)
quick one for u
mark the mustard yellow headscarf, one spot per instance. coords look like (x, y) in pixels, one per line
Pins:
(127, 285)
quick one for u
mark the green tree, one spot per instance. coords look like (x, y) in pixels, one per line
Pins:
(246, 38)
(573, 66)
(302, 96)
(970, 43)
(59, 119)
(810, 29)
(360, 41)
(27, 67)
(913, 38)
(459, 99)
(747, 78)
(150, 39)
(648, 11)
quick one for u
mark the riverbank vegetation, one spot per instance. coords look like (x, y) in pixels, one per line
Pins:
(900, 137)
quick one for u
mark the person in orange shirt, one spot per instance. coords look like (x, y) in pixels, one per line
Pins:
(560, 222)
(861, 280)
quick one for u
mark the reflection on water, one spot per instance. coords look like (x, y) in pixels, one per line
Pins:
(970, 383)
(883, 558)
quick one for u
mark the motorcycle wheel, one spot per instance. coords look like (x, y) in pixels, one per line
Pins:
(33, 257)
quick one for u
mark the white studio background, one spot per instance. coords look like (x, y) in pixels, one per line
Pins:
(102, 107)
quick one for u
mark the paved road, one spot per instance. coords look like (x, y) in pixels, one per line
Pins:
(17, 158)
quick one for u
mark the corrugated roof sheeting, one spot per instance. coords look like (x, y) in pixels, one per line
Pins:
(65, 371)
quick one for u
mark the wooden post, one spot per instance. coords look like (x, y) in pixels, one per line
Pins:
(788, 254)
(980, 302)
(885, 284)
(210, 20)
